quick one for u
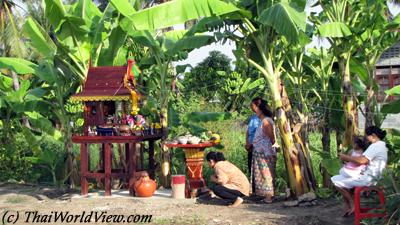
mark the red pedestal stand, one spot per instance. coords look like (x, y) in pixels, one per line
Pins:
(194, 154)
(107, 173)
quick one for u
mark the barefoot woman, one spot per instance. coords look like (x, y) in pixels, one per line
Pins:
(375, 158)
(264, 154)
(232, 184)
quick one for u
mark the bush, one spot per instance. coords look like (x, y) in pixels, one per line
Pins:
(49, 161)
(14, 164)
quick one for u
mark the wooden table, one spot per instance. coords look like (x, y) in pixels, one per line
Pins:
(194, 157)
(107, 174)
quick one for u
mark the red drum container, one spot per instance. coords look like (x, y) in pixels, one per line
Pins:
(178, 186)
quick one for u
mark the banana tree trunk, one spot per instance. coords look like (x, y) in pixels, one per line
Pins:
(71, 166)
(296, 155)
(16, 85)
(165, 154)
(339, 139)
(349, 103)
(369, 107)
(371, 99)
(299, 129)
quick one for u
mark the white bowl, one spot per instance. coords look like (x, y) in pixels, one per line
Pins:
(183, 140)
(194, 140)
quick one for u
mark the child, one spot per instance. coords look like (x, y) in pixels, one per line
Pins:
(352, 169)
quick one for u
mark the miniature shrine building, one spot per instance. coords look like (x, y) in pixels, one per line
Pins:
(106, 98)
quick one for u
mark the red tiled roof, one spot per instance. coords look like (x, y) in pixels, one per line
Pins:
(104, 83)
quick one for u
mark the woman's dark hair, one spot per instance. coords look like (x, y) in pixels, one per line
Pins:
(263, 106)
(216, 156)
(256, 99)
(360, 143)
(381, 134)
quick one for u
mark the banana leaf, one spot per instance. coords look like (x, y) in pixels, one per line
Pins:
(190, 43)
(40, 122)
(5, 83)
(88, 11)
(123, 6)
(331, 165)
(145, 38)
(40, 40)
(395, 23)
(98, 33)
(20, 66)
(391, 108)
(55, 12)
(334, 29)
(393, 91)
(111, 55)
(160, 16)
(285, 19)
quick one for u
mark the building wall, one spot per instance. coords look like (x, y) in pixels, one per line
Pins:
(387, 74)
(387, 78)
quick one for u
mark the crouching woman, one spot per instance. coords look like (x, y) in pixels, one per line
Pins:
(232, 184)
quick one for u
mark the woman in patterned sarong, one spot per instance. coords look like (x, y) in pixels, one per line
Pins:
(264, 154)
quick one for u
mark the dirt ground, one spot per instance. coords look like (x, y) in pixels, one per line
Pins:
(45, 200)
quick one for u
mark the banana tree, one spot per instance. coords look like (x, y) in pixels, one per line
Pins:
(12, 39)
(26, 102)
(271, 28)
(300, 84)
(237, 87)
(350, 28)
(328, 100)
(57, 84)
(336, 23)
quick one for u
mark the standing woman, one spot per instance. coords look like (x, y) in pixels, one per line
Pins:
(264, 154)
(254, 123)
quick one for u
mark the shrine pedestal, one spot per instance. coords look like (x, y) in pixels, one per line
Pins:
(194, 154)
(106, 174)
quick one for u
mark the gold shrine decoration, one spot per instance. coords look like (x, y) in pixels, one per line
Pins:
(134, 99)
(134, 96)
(130, 83)
(100, 98)
(194, 153)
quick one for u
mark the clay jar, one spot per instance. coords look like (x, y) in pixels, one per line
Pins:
(125, 130)
(144, 186)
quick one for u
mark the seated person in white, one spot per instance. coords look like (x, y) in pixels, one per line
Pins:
(375, 158)
(352, 169)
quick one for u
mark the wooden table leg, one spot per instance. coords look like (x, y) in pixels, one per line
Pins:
(131, 168)
(141, 157)
(84, 169)
(107, 169)
(152, 166)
